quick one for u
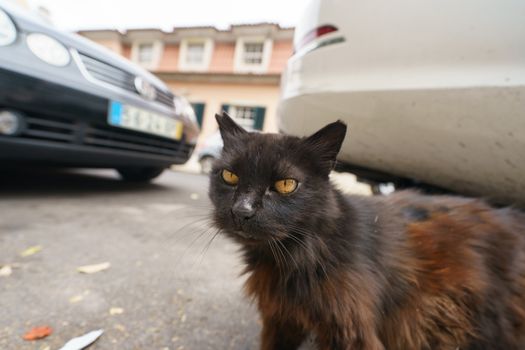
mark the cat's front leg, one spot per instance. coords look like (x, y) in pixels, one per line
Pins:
(281, 335)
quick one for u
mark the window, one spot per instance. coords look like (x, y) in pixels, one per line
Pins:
(249, 117)
(244, 116)
(195, 53)
(253, 53)
(145, 53)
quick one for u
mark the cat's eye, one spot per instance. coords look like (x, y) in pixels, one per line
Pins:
(285, 186)
(229, 177)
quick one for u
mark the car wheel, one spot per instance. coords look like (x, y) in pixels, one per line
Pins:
(139, 174)
(206, 164)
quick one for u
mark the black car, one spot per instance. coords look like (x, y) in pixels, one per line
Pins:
(67, 101)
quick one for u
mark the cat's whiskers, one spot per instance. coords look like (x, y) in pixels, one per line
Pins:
(301, 231)
(200, 227)
(197, 221)
(278, 255)
(200, 235)
(280, 265)
(288, 252)
(282, 259)
(302, 244)
(298, 241)
(207, 246)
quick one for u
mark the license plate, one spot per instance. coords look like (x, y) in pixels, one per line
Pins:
(129, 117)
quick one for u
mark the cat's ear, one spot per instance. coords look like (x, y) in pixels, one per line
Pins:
(230, 131)
(326, 143)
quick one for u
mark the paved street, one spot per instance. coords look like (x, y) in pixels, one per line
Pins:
(165, 288)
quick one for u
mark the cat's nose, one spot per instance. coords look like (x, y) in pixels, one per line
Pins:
(243, 209)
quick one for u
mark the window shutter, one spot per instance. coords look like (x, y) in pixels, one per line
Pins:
(259, 118)
(225, 108)
(199, 112)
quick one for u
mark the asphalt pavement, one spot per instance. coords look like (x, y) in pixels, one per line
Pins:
(166, 286)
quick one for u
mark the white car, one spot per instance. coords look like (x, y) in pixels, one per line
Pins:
(432, 91)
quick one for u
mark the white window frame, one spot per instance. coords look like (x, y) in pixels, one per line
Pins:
(158, 48)
(240, 66)
(232, 111)
(184, 65)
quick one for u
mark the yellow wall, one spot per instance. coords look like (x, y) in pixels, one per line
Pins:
(215, 95)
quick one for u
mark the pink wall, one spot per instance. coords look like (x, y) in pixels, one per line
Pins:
(126, 51)
(222, 58)
(281, 52)
(170, 59)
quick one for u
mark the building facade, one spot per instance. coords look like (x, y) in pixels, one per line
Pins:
(236, 70)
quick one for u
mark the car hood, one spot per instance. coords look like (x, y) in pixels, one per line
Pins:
(27, 21)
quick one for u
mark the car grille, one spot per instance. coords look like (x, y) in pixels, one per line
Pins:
(118, 77)
(102, 136)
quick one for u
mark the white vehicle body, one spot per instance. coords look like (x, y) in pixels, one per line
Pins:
(432, 91)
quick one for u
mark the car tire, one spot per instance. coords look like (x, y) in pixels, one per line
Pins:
(139, 174)
(206, 164)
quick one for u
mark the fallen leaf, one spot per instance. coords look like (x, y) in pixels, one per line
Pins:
(76, 298)
(83, 341)
(38, 333)
(116, 311)
(120, 327)
(30, 251)
(89, 269)
(5, 271)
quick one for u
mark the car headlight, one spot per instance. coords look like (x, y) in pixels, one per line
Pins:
(184, 108)
(7, 29)
(48, 49)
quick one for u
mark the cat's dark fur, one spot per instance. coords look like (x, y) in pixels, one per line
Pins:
(404, 272)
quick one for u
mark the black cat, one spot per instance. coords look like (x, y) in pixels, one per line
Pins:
(403, 272)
